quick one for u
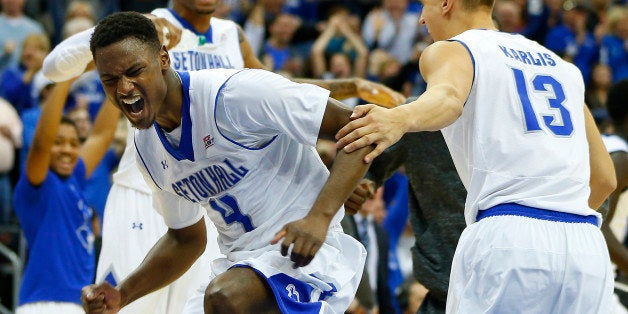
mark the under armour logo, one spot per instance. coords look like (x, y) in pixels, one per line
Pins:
(137, 226)
(292, 291)
(164, 164)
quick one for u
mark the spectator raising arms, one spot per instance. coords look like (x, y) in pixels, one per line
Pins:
(52, 210)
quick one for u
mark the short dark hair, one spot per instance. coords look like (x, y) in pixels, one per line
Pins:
(70, 122)
(121, 25)
(617, 101)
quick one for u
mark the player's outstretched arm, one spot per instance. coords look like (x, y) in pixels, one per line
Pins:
(169, 258)
(72, 56)
(448, 70)
(358, 87)
(308, 234)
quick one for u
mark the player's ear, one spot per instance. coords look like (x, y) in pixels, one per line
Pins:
(164, 58)
(446, 6)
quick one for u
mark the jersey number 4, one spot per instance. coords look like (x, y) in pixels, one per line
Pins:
(555, 100)
(228, 208)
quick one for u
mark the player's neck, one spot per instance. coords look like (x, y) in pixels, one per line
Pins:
(169, 116)
(200, 22)
(471, 20)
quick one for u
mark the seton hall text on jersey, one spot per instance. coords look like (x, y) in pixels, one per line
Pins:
(198, 60)
(209, 181)
(529, 57)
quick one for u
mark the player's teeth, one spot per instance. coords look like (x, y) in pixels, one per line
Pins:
(131, 100)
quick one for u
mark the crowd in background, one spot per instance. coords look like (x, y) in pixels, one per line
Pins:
(380, 40)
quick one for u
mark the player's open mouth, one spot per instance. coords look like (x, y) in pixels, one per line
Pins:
(134, 105)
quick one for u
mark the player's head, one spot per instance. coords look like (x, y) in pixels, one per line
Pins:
(617, 103)
(65, 149)
(201, 7)
(441, 17)
(132, 65)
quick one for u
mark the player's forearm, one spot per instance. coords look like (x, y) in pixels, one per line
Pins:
(340, 88)
(346, 172)
(69, 58)
(435, 109)
(167, 260)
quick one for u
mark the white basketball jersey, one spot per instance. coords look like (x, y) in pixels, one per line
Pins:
(220, 50)
(247, 155)
(521, 137)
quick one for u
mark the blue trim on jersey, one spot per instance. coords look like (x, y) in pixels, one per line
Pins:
(185, 150)
(512, 209)
(292, 295)
(185, 145)
(472, 61)
(218, 128)
(143, 162)
(187, 25)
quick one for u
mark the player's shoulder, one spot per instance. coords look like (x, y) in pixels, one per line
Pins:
(222, 23)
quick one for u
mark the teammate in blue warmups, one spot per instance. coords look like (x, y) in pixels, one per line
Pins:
(242, 144)
(52, 209)
(529, 154)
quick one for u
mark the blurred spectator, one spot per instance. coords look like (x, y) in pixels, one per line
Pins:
(80, 9)
(98, 185)
(364, 227)
(615, 43)
(508, 15)
(14, 27)
(277, 50)
(10, 140)
(392, 29)
(16, 81)
(342, 63)
(573, 41)
(597, 89)
(541, 16)
(52, 211)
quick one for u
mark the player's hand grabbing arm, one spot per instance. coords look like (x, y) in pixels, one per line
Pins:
(308, 234)
(448, 71)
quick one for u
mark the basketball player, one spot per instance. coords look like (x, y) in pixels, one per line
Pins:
(130, 226)
(247, 155)
(529, 154)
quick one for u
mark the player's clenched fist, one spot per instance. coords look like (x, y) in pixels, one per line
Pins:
(306, 235)
(101, 298)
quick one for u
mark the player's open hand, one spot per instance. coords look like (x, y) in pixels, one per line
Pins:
(306, 236)
(378, 94)
(100, 298)
(372, 125)
(364, 191)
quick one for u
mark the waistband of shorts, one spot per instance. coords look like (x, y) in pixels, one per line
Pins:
(512, 209)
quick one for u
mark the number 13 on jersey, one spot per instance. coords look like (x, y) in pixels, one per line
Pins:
(558, 123)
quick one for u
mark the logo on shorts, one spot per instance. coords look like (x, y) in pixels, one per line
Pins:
(137, 225)
(164, 164)
(208, 140)
(292, 291)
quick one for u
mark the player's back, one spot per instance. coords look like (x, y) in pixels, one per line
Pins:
(521, 137)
